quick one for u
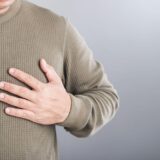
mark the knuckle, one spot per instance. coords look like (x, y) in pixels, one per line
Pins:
(19, 113)
(39, 119)
(20, 102)
(36, 98)
(41, 86)
(5, 98)
(23, 90)
(39, 99)
(29, 77)
(7, 86)
(24, 114)
(26, 78)
(15, 112)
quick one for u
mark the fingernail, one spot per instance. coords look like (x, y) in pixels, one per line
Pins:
(1, 84)
(1, 95)
(43, 61)
(11, 70)
(7, 110)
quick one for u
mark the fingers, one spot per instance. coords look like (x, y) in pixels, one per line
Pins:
(50, 72)
(26, 78)
(18, 90)
(21, 113)
(18, 102)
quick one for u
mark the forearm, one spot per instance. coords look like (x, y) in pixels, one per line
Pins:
(92, 110)
(94, 100)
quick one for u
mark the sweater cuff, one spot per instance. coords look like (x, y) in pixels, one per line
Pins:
(79, 114)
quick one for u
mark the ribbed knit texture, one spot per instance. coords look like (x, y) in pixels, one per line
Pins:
(27, 33)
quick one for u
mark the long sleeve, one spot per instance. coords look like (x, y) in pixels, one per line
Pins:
(94, 100)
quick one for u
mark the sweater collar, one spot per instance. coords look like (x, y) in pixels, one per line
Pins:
(14, 8)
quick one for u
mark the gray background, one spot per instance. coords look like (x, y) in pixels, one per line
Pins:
(125, 36)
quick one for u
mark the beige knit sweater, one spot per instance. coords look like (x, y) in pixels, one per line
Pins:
(27, 33)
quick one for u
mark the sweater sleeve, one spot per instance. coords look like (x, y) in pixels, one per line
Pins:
(94, 100)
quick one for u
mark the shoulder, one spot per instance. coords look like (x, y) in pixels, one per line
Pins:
(42, 15)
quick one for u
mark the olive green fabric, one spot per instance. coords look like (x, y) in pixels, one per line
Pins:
(29, 32)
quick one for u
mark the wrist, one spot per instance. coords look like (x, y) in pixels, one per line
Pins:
(67, 107)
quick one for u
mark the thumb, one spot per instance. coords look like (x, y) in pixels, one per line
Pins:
(49, 71)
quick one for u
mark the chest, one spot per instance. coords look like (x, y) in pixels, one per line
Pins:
(23, 50)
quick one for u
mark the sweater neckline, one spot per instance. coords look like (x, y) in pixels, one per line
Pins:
(11, 12)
